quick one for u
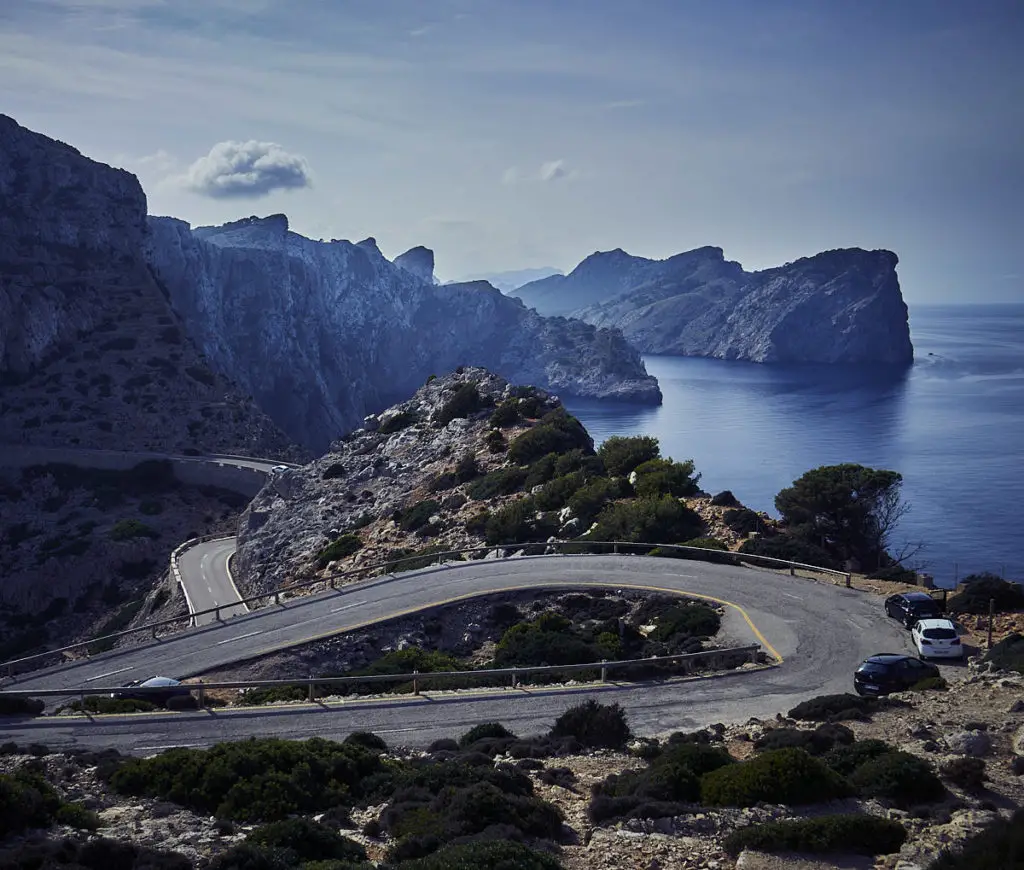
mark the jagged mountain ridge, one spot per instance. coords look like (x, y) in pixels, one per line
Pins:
(324, 333)
(91, 353)
(841, 306)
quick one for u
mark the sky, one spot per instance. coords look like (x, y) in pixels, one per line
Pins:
(507, 134)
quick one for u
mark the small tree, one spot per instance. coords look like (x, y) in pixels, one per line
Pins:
(621, 454)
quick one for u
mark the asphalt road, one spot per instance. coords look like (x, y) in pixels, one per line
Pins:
(208, 582)
(820, 631)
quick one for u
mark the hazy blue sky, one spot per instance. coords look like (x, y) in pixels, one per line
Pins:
(515, 133)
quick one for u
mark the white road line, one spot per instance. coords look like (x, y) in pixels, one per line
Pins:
(168, 746)
(395, 731)
(240, 637)
(108, 674)
(347, 606)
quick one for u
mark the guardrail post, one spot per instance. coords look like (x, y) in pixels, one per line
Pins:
(311, 687)
(277, 598)
(848, 579)
(415, 683)
(515, 679)
(604, 670)
(792, 571)
(753, 656)
(330, 582)
(615, 548)
(217, 613)
(153, 632)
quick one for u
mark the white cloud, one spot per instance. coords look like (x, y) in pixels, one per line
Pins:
(549, 171)
(553, 170)
(242, 170)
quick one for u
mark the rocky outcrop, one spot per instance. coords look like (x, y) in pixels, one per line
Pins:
(324, 333)
(842, 306)
(419, 261)
(91, 353)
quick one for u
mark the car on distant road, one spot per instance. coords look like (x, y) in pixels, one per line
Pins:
(171, 688)
(909, 607)
(937, 638)
(277, 469)
(891, 672)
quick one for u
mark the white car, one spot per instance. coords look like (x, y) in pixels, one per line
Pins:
(937, 638)
(277, 469)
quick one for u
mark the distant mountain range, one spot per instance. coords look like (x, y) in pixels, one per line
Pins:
(506, 281)
(842, 306)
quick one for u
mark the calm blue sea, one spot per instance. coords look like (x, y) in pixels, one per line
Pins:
(953, 426)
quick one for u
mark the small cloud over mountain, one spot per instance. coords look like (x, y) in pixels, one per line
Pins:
(246, 170)
(549, 171)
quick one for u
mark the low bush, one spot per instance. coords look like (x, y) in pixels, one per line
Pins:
(307, 840)
(895, 574)
(418, 515)
(95, 854)
(464, 401)
(501, 481)
(17, 706)
(339, 548)
(505, 415)
(817, 742)
(594, 725)
(396, 422)
(485, 855)
(334, 471)
(104, 705)
(930, 684)
(979, 589)
(547, 640)
(556, 494)
(852, 834)
(783, 776)
(76, 815)
(127, 530)
(556, 432)
(1008, 654)
(622, 454)
(791, 549)
(967, 773)
(26, 801)
(742, 521)
(899, 777)
(716, 551)
(692, 619)
(517, 523)
(368, 740)
(845, 759)
(495, 441)
(587, 501)
(647, 519)
(483, 731)
(725, 498)
(657, 477)
(834, 708)
(1000, 846)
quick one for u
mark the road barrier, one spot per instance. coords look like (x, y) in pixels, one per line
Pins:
(379, 569)
(512, 676)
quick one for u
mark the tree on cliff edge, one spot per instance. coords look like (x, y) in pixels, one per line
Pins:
(848, 509)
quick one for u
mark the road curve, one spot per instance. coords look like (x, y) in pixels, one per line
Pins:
(206, 576)
(820, 631)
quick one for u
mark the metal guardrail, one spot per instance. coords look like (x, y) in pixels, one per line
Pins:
(749, 652)
(574, 547)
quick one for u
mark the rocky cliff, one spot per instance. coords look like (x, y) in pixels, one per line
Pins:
(419, 261)
(323, 333)
(842, 306)
(91, 353)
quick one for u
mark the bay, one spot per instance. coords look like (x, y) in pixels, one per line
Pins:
(952, 424)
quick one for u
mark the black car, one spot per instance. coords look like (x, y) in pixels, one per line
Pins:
(909, 607)
(891, 672)
(161, 690)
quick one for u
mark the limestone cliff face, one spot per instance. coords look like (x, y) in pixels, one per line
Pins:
(842, 306)
(91, 353)
(324, 333)
(419, 261)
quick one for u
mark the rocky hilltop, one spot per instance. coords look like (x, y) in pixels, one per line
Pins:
(323, 333)
(91, 352)
(842, 306)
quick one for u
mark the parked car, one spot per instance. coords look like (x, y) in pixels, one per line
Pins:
(937, 638)
(908, 607)
(891, 672)
(171, 687)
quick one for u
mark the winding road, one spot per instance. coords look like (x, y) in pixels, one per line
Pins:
(819, 631)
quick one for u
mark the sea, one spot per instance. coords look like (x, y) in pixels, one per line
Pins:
(952, 424)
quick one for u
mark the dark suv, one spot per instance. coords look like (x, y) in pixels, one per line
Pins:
(890, 672)
(909, 607)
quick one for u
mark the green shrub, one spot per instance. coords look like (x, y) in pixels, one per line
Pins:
(725, 498)
(578, 460)
(717, 552)
(151, 507)
(556, 432)
(485, 855)
(547, 640)
(817, 742)
(17, 706)
(396, 423)
(334, 471)
(495, 441)
(1000, 846)
(418, 515)
(967, 773)
(307, 841)
(540, 472)
(979, 589)
(339, 548)
(851, 834)
(783, 776)
(834, 708)
(692, 619)
(75, 815)
(368, 740)
(501, 481)
(483, 731)
(895, 574)
(898, 776)
(505, 415)
(1008, 654)
(657, 477)
(404, 559)
(104, 705)
(465, 400)
(97, 853)
(587, 502)
(930, 684)
(555, 494)
(743, 521)
(248, 856)
(621, 455)
(26, 801)
(844, 760)
(647, 520)
(127, 530)
(594, 725)
(791, 549)
(517, 523)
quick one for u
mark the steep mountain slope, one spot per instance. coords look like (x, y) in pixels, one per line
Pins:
(91, 353)
(323, 333)
(842, 306)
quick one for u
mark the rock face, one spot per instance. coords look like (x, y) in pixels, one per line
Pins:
(323, 333)
(91, 353)
(419, 261)
(842, 306)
